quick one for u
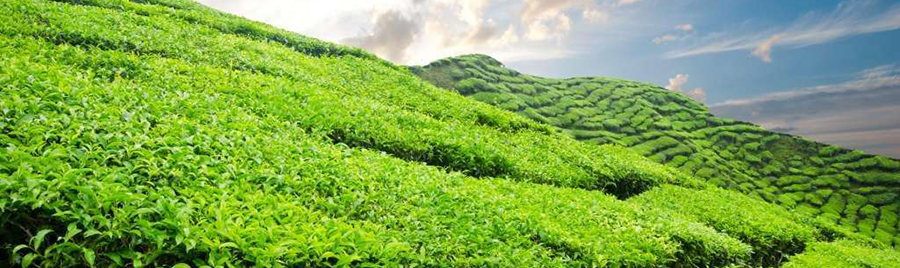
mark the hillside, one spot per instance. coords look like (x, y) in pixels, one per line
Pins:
(851, 188)
(160, 133)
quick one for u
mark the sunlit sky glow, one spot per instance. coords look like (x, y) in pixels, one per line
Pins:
(746, 59)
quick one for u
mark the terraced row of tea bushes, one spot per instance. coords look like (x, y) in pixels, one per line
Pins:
(842, 254)
(196, 13)
(128, 171)
(770, 229)
(358, 102)
(851, 188)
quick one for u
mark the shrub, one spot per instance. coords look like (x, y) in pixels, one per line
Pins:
(771, 230)
(843, 253)
(835, 205)
(882, 198)
(471, 85)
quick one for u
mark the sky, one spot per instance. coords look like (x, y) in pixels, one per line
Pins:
(828, 70)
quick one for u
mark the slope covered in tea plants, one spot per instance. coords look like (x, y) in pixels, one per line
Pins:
(851, 188)
(160, 133)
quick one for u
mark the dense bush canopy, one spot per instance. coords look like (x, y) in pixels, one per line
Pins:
(850, 188)
(160, 133)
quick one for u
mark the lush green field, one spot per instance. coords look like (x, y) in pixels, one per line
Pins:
(161, 133)
(851, 188)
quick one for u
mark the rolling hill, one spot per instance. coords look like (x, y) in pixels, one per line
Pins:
(856, 190)
(161, 133)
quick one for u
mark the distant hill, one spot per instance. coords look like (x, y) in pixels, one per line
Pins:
(856, 190)
(161, 133)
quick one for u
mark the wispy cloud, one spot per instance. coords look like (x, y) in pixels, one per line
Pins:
(764, 51)
(549, 19)
(847, 19)
(677, 84)
(684, 30)
(860, 113)
(884, 76)
(685, 27)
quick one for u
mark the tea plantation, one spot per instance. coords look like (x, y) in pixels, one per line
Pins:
(161, 133)
(850, 188)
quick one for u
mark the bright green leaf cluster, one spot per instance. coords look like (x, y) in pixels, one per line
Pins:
(844, 254)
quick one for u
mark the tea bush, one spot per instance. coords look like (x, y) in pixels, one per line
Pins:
(771, 230)
(843, 254)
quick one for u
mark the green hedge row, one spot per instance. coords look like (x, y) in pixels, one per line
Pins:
(772, 231)
(841, 254)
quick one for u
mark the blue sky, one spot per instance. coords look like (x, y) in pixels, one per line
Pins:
(744, 58)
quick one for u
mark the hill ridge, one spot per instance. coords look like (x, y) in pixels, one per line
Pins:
(671, 128)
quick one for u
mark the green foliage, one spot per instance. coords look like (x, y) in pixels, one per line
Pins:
(193, 145)
(772, 231)
(843, 253)
(192, 163)
(427, 131)
(161, 133)
(669, 128)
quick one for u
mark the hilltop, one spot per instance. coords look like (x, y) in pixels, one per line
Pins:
(848, 187)
(161, 133)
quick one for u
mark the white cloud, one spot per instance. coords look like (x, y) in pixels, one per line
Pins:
(665, 39)
(595, 15)
(547, 19)
(551, 19)
(698, 94)
(764, 51)
(556, 26)
(685, 27)
(684, 32)
(849, 18)
(677, 84)
(393, 34)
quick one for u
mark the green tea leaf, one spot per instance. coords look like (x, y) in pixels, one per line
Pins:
(19, 247)
(38, 239)
(28, 259)
(89, 256)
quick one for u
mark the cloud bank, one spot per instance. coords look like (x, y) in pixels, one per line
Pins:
(862, 113)
(419, 31)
